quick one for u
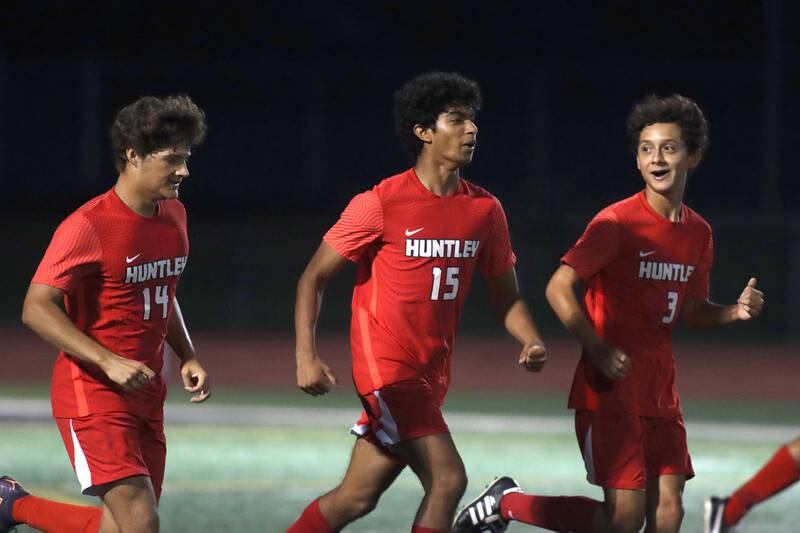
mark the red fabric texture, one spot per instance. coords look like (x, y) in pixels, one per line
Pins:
(557, 513)
(416, 254)
(638, 268)
(311, 521)
(47, 515)
(119, 272)
(778, 473)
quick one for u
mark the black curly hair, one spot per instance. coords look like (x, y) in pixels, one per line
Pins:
(676, 109)
(150, 124)
(423, 99)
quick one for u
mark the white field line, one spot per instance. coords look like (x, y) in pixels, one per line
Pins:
(35, 410)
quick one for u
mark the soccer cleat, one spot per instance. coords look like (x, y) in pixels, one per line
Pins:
(483, 513)
(10, 491)
(714, 509)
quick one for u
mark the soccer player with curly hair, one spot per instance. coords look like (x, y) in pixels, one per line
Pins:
(640, 263)
(416, 238)
(104, 294)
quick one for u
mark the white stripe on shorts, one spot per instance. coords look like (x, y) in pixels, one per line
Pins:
(81, 464)
(388, 434)
(588, 458)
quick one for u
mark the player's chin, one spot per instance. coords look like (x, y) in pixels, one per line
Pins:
(170, 192)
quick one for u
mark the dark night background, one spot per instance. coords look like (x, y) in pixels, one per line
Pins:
(298, 97)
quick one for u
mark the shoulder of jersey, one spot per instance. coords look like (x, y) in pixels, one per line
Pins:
(694, 218)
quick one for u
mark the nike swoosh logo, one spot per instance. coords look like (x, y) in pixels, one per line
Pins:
(131, 259)
(410, 233)
(645, 254)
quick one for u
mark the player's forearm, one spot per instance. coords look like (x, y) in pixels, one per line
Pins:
(709, 315)
(561, 297)
(310, 292)
(520, 324)
(178, 335)
(53, 325)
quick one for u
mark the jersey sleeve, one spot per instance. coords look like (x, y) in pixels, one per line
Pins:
(360, 225)
(596, 248)
(74, 253)
(700, 281)
(498, 256)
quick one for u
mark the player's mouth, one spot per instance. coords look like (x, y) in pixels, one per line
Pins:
(660, 174)
(470, 145)
(174, 184)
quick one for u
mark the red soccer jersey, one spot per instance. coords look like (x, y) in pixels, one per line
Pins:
(416, 253)
(638, 266)
(119, 272)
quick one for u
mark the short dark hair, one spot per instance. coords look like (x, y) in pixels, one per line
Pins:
(150, 124)
(676, 109)
(423, 99)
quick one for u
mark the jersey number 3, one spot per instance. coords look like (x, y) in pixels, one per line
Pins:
(450, 281)
(672, 307)
(161, 297)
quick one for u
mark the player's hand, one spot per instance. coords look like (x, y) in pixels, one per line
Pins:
(314, 377)
(195, 380)
(611, 362)
(533, 356)
(130, 374)
(750, 303)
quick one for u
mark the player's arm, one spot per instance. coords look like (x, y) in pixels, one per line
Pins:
(44, 314)
(562, 293)
(194, 376)
(699, 313)
(313, 375)
(513, 311)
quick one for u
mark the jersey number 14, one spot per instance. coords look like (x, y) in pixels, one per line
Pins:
(161, 297)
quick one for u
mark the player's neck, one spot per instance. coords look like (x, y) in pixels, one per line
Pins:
(667, 205)
(133, 199)
(440, 179)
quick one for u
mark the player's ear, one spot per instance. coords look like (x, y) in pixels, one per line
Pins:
(131, 157)
(423, 134)
(694, 159)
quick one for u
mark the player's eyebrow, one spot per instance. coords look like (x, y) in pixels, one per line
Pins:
(461, 113)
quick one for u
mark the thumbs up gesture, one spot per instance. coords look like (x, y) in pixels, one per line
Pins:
(751, 301)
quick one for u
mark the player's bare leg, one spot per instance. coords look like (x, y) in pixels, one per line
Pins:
(131, 503)
(107, 522)
(438, 465)
(370, 472)
(624, 511)
(665, 504)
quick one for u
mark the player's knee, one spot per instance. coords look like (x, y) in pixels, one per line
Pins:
(141, 519)
(356, 504)
(627, 520)
(452, 482)
(670, 515)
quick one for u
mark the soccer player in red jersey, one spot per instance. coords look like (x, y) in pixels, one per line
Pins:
(416, 237)
(642, 261)
(104, 294)
(780, 472)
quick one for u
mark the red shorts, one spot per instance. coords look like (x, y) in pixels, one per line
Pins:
(623, 450)
(399, 412)
(107, 447)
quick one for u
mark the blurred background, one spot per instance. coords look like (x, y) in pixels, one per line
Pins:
(298, 97)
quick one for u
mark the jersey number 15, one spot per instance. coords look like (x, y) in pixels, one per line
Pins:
(450, 282)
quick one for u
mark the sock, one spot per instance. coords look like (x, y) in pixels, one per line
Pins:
(47, 515)
(419, 529)
(311, 521)
(779, 472)
(557, 513)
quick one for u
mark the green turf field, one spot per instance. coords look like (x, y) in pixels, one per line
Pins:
(246, 477)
